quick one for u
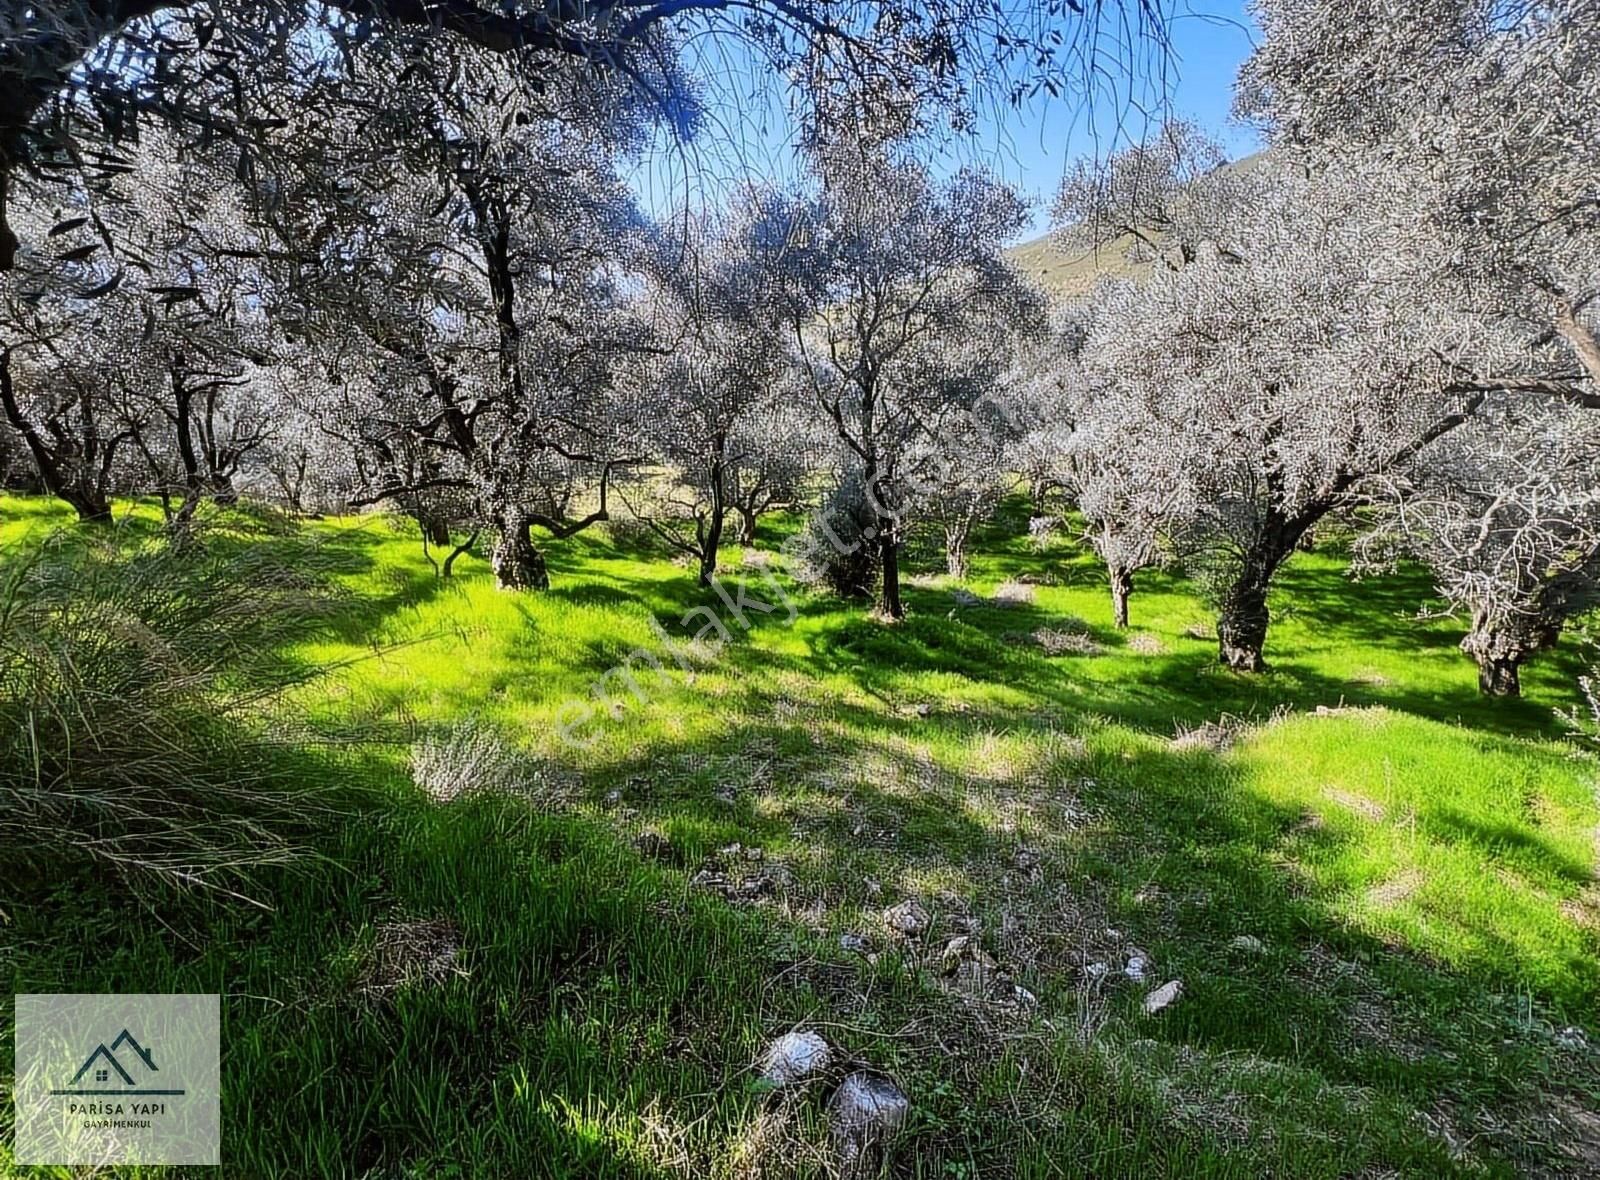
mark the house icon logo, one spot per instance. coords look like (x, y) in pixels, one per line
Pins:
(103, 1072)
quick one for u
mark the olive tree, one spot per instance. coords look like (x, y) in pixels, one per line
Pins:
(78, 78)
(1495, 105)
(902, 308)
(1314, 343)
(490, 267)
(721, 368)
(1506, 514)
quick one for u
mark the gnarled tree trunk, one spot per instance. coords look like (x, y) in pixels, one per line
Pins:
(747, 526)
(955, 548)
(518, 563)
(1500, 646)
(889, 551)
(1242, 622)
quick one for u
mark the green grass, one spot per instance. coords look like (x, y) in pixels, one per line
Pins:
(1419, 865)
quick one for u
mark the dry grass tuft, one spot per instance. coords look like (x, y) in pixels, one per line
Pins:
(1013, 593)
(405, 954)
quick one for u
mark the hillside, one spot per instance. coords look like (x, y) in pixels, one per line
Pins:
(967, 850)
(1070, 275)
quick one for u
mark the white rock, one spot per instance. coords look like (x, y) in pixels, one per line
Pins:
(1162, 996)
(909, 918)
(851, 941)
(794, 1057)
(1138, 966)
(1247, 944)
(1096, 970)
(863, 1112)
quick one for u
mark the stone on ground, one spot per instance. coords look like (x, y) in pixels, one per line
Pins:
(864, 1112)
(1163, 996)
(908, 918)
(794, 1057)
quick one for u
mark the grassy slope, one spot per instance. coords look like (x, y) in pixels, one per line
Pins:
(1421, 873)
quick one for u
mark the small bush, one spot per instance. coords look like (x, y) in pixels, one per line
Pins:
(833, 549)
(467, 758)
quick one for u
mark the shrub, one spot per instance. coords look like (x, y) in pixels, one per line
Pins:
(135, 681)
(832, 550)
(468, 757)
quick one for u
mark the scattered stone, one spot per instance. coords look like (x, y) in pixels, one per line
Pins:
(1025, 859)
(1198, 631)
(1138, 967)
(1062, 641)
(1164, 995)
(1022, 997)
(1572, 1037)
(954, 951)
(1246, 944)
(851, 941)
(794, 1057)
(727, 795)
(908, 918)
(770, 879)
(1145, 644)
(873, 888)
(863, 1113)
(1096, 971)
(965, 597)
(1214, 736)
(924, 709)
(710, 879)
(767, 880)
(613, 797)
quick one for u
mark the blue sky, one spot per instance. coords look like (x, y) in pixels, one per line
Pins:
(750, 134)
(1032, 148)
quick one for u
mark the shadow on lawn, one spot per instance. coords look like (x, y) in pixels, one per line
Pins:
(601, 989)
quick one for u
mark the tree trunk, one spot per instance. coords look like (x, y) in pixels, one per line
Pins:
(1121, 587)
(955, 550)
(435, 528)
(91, 509)
(747, 526)
(1499, 676)
(889, 550)
(1039, 494)
(1499, 648)
(1242, 626)
(517, 562)
(711, 541)
(223, 491)
(1242, 617)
